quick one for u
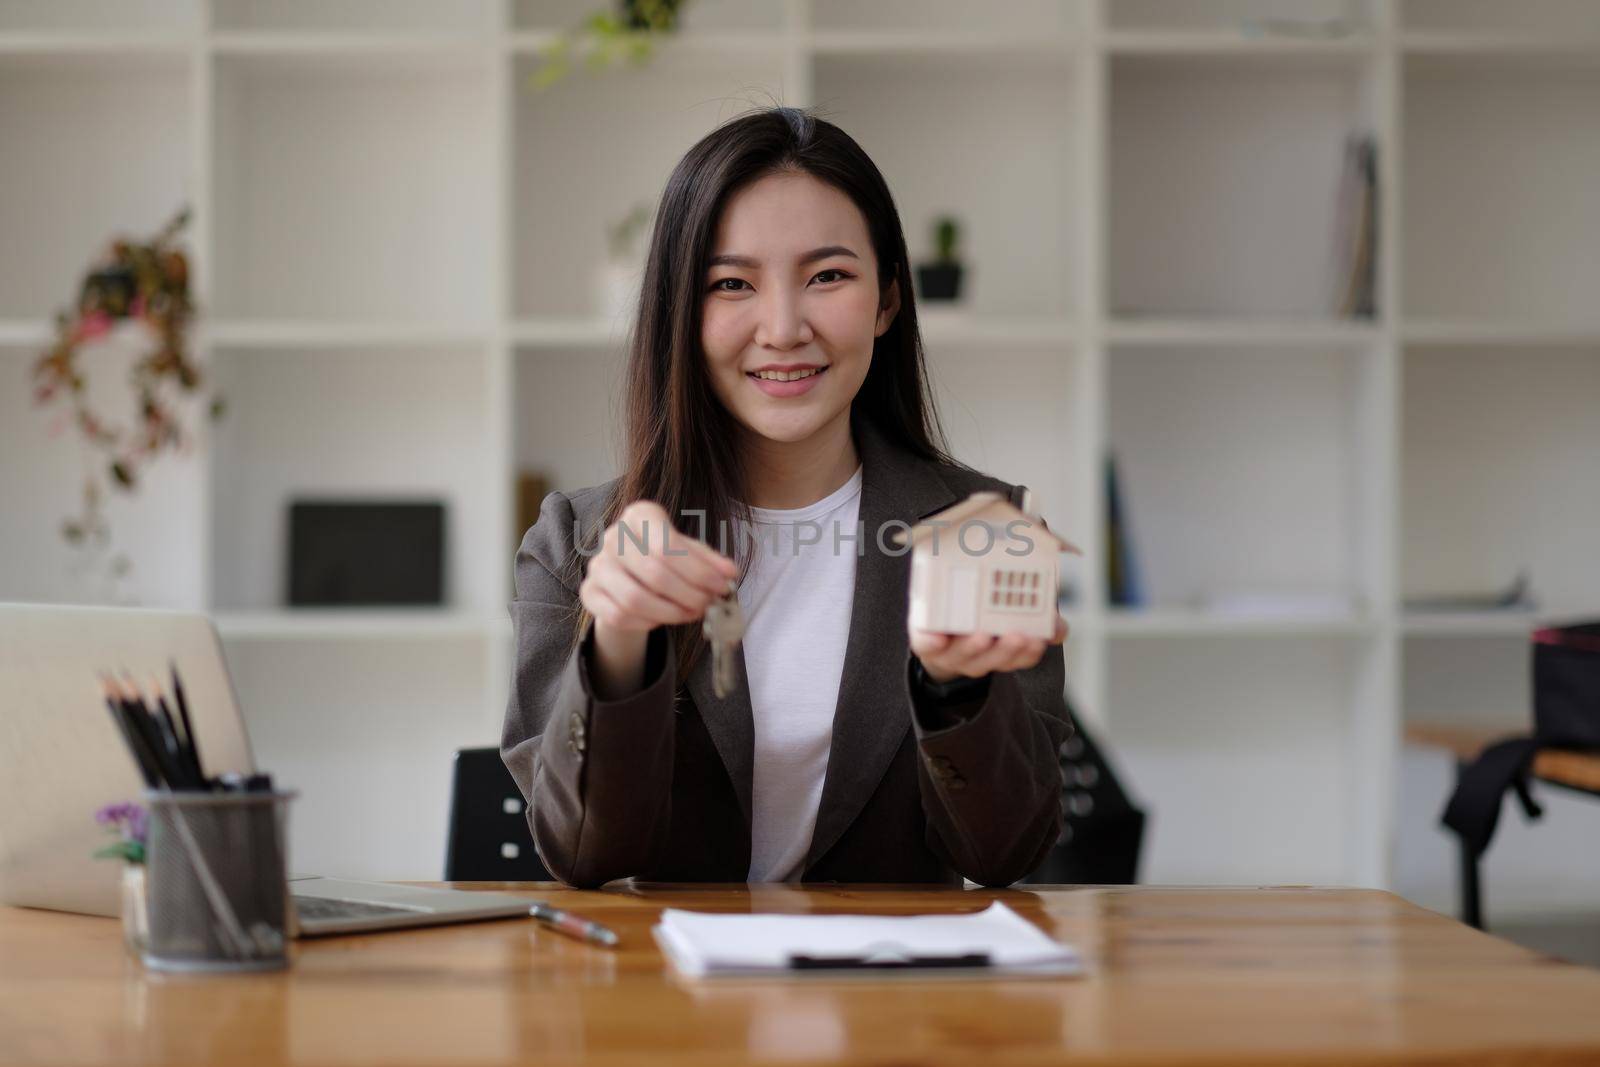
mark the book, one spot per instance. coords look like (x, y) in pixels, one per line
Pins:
(1358, 228)
(1123, 587)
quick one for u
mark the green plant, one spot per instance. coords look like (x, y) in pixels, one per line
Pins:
(603, 37)
(946, 233)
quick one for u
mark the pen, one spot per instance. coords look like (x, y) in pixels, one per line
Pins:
(568, 923)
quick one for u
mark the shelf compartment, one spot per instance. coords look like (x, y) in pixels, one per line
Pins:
(100, 16)
(1249, 470)
(1234, 45)
(1512, 234)
(567, 426)
(619, 137)
(355, 16)
(1024, 17)
(400, 45)
(1489, 19)
(308, 148)
(94, 150)
(347, 423)
(1219, 741)
(952, 45)
(109, 48)
(1497, 472)
(1286, 20)
(902, 109)
(1223, 179)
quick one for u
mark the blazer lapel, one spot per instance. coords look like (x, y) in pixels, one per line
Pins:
(871, 718)
(730, 722)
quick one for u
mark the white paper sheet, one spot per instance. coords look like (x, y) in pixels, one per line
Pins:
(702, 944)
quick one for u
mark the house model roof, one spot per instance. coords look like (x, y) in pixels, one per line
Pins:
(990, 507)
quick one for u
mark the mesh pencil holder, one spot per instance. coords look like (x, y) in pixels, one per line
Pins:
(217, 888)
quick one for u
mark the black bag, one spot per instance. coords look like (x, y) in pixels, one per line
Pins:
(1566, 714)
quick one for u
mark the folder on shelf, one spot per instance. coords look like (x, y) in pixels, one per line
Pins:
(1123, 586)
(994, 941)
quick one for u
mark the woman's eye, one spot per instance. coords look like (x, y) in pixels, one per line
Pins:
(840, 273)
(717, 286)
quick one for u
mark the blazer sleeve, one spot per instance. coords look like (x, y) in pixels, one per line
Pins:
(991, 782)
(596, 774)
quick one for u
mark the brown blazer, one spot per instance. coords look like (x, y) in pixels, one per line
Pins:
(659, 789)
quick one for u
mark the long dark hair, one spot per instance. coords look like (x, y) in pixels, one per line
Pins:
(680, 441)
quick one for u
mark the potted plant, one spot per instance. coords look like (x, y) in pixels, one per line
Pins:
(129, 823)
(629, 30)
(941, 279)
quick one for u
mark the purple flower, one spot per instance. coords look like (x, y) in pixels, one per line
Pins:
(126, 818)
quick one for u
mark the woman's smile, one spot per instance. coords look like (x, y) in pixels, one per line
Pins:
(786, 381)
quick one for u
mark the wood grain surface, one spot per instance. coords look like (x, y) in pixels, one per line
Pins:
(1293, 975)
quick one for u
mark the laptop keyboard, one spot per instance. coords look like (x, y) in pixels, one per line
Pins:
(329, 908)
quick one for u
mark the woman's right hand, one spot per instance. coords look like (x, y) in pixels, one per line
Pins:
(670, 580)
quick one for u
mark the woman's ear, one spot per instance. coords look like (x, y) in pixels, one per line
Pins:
(889, 307)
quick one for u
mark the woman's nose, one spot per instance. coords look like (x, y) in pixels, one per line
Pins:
(783, 322)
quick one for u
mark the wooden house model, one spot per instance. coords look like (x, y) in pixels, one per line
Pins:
(984, 566)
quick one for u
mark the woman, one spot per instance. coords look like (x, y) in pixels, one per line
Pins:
(776, 387)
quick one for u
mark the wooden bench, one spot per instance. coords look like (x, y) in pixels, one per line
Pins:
(1576, 771)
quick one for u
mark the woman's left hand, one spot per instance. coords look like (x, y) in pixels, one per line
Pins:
(948, 656)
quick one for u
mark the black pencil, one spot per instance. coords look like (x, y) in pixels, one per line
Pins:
(185, 751)
(150, 729)
(188, 726)
(135, 747)
(143, 757)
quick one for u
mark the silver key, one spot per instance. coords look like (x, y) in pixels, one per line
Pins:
(724, 629)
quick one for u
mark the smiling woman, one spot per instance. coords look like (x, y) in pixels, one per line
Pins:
(776, 385)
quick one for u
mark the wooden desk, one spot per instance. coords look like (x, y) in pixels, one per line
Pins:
(1216, 976)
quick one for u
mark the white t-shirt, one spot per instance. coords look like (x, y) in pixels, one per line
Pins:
(796, 601)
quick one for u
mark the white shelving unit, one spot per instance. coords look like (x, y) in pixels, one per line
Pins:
(395, 244)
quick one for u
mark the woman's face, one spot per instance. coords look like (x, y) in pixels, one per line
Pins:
(791, 293)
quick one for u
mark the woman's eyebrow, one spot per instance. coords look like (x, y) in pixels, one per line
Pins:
(728, 259)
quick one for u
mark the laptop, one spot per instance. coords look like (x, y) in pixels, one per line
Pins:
(61, 760)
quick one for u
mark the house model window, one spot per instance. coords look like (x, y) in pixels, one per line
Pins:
(985, 566)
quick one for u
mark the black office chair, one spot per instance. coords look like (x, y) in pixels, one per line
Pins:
(1102, 830)
(489, 839)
